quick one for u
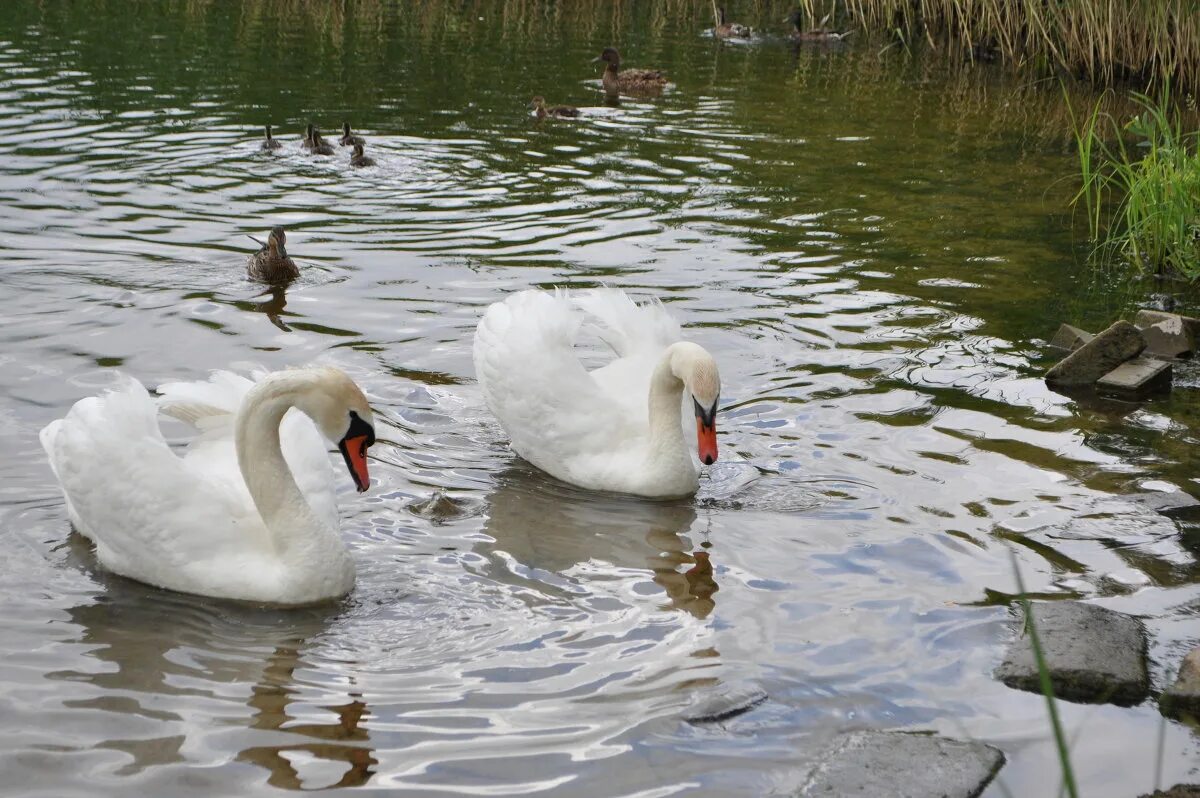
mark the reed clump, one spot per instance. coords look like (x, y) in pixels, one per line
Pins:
(1102, 40)
(1142, 191)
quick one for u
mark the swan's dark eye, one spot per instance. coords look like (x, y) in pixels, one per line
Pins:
(360, 429)
(707, 416)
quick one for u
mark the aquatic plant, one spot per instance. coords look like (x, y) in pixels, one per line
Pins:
(1150, 179)
(1153, 40)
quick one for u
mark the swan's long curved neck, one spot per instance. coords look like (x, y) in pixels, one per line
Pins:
(667, 445)
(279, 501)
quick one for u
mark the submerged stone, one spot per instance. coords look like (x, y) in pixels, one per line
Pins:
(723, 704)
(1094, 655)
(1183, 697)
(1102, 354)
(903, 765)
(1070, 338)
(1137, 378)
(1165, 333)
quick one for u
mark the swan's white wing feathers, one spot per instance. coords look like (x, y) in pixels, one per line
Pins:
(146, 493)
(629, 328)
(554, 412)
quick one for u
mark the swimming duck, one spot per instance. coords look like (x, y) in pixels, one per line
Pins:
(349, 138)
(358, 159)
(817, 34)
(269, 143)
(729, 30)
(249, 512)
(314, 143)
(271, 264)
(616, 428)
(538, 104)
(629, 81)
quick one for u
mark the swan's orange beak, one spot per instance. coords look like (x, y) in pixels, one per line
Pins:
(354, 450)
(706, 441)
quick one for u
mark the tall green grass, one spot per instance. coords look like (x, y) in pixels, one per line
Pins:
(1103, 40)
(1141, 192)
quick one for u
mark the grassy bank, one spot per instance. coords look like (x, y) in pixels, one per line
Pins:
(1101, 40)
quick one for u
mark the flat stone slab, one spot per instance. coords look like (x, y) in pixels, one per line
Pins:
(1166, 334)
(1070, 338)
(1182, 699)
(1109, 349)
(1094, 655)
(903, 765)
(1134, 379)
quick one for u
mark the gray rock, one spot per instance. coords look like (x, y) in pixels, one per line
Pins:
(1183, 697)
(1097, 357)
(903, 765)
(1070, 338)
(1137, 378)
(1094, 655)
(723, 704)
(1165, 333)
(1172, 504)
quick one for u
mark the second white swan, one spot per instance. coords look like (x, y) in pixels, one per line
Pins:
(242, 515)
(617, 428)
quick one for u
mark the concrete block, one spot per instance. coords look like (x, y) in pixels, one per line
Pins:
(1137, 378)
(1070, 338)
(1094, 655)
(903, 765)
(1165, 334)
(1107, 350)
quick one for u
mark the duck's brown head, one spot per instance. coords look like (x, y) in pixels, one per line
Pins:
(796, 19)
(721, 15)
(610, 56)
(277, 242)
(345, 128)
(537, 102)
(308, 133)
(268, 129)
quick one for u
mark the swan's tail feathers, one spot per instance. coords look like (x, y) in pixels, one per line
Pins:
(46, 436)
(624, 325)
(203, 403)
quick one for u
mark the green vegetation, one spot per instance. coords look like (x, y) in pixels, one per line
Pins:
(1150, 178)
(1153, 40)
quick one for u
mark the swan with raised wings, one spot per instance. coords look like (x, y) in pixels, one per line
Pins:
(244, 514)
(618, 427)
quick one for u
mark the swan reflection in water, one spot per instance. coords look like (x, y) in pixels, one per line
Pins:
(164, 654)
(549, 526)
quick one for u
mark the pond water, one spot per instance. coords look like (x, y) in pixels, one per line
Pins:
(875, 250)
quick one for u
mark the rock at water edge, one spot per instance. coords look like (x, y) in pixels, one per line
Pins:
(1109, 349)
(902, 765)
(1094, 655)
(1137, 378)
(1165, 333)
(1070, 338)
(1183, 697)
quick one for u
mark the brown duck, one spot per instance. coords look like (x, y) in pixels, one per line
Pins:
(314, 143)
(817, 34)
(271, 264)
(729, 30)
(538, 104)
(629, 81)
(357, 158)
(269, 143)
(349, 139)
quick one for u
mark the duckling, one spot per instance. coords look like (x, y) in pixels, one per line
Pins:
(349, 138)
(358, 159)
(314, 143)
(817, 34)
(629, 81)
(729, 30)
(271, 264)
(269, 143)
(538, 104)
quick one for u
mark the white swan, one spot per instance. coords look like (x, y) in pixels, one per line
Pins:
(617, 428)
(240, 516)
